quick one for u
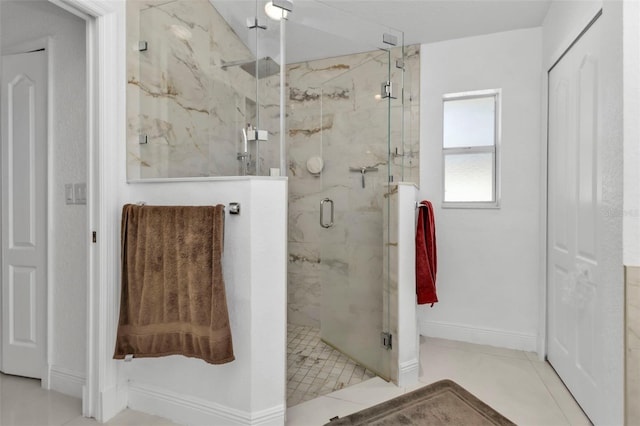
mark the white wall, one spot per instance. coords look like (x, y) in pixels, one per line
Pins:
(251, 389)
(612, 135)
(488, 265)
(24, 21)
(631, 211)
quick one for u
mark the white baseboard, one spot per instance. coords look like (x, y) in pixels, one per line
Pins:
(481, 336)
(66, 381)
(409, 373)
(112, 401)
(191, 410)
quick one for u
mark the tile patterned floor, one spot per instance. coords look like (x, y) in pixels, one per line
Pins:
(315, 369)
(516, 384)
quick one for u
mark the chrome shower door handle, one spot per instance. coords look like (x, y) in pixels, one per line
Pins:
(322, 203)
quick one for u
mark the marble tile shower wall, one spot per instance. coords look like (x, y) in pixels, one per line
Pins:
(191, 110)
(333, 114)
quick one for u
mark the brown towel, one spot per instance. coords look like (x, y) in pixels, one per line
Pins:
(173, 297)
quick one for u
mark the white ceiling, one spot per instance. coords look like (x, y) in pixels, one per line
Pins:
(326, 28)
(425, 21)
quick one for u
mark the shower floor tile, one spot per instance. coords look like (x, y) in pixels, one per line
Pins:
(314, 368)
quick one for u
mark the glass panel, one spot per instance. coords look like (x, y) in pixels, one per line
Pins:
(469, 122)
(197, 86)
(267, 73)
(335, 112)
(405, 116)
(163, 84)
(468, 177)
(260, 152)
(355, 147)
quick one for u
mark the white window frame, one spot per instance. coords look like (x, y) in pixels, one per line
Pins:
(495, 149)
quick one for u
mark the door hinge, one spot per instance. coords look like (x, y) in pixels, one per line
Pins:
(387, 90)
(386, 339)
(94, 236)
(389, 39)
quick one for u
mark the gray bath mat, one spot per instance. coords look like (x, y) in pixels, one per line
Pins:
(441, 403)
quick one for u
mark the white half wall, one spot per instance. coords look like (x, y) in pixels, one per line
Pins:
(251, 389)
(488, 259)
(25, 22)
(408, 336)
(400, 267)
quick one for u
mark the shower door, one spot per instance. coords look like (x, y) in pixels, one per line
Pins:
(355, 149)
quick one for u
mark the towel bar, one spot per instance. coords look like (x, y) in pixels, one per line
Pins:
(234, 207)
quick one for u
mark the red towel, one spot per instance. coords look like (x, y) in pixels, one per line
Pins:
(426, 258)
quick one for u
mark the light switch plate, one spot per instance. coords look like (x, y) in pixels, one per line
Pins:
(80, 193)
(68, 193)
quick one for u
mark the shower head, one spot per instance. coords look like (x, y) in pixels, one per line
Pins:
(265, 67)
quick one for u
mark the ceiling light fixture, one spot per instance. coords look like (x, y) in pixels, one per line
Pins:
(274, 12)
(278, 9)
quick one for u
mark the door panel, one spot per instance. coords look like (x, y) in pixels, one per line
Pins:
(574, 226)
(20, 102)
(587, 164)
(24, 120)
(22, 293)
(355, 302)
(561, 334)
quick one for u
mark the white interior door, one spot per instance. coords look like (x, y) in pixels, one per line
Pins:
(575, 228)
(24, 168)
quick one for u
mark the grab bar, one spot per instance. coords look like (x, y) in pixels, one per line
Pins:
(322, 203)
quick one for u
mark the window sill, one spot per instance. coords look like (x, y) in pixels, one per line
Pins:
(471, 205)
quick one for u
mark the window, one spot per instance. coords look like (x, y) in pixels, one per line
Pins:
(471, 132)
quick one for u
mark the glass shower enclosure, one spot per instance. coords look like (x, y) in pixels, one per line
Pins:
(210, 85)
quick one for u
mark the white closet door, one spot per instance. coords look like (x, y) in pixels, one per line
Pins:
(24, 170)
(575, 227)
